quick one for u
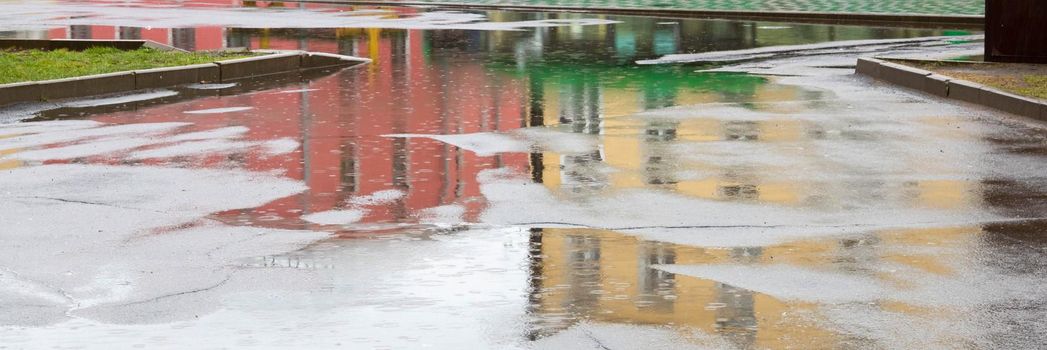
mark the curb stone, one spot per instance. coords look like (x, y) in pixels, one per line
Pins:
(221, 71)
(169, 76)
(965, 91)
(258, 66)
(17, 92)
(944, 86)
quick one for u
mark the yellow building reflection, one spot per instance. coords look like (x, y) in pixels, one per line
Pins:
(609, 277)
(605, 276)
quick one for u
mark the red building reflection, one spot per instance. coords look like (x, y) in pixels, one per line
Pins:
(340, 119)
(193, 39)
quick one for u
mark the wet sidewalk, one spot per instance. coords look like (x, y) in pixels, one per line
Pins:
(519, 189)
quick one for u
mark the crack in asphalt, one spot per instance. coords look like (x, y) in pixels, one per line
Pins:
(632, 228)
(210, 253)
(64, 200)
(17, 276)
(158, 298)
(595, 340)
(628, 228)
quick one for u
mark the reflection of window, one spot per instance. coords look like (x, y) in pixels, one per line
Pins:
(580, 107)
(184, 38)
(659, 171)
(656, 284)
(741, 130)
(665, 39)
(747, 254)
(130, 33)
(736, 318)
(661, 133)
(236, 37)
(452, 40)
(349, 181)
(739, 192)
(583, 273)
(624, 42)
(582, 173)
(79, 32)
(659, 165)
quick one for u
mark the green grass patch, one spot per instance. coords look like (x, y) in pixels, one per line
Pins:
(29, 65)
(1023, 79)
(1029, 85)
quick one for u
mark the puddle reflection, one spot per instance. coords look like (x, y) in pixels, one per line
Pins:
(606, 277)
(578, 81)
(456, 82)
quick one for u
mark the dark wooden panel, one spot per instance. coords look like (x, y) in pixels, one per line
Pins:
(1016, 31)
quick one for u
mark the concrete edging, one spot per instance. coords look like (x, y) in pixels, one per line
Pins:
(220, 71)
(956, 89)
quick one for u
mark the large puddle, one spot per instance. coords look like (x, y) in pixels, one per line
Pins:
(536, 188)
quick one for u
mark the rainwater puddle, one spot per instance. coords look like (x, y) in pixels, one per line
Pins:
(581, 197)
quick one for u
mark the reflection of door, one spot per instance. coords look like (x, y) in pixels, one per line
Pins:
(583, 262)
(184, 38)
(79, 32)
(736, 316)
(130, 33)
(654, 283)
(1017, 31)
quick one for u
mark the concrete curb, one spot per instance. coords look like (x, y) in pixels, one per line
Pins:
(272, 63)
(928, 20)
(221, 71)
(956, 89)
(170, 76)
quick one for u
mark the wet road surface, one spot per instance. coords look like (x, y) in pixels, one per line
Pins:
(531, 189)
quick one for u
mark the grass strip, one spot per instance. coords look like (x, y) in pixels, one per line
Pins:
(1026, 80)
(30, 65)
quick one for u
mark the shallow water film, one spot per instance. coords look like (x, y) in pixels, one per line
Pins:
(517, 180)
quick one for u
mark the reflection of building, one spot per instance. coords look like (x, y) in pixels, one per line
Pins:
(419, 83)
(456, 81)
(194, 38)
(343, 151)
(604, 276)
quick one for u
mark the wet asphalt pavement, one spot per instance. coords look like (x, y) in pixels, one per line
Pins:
(531, 189)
